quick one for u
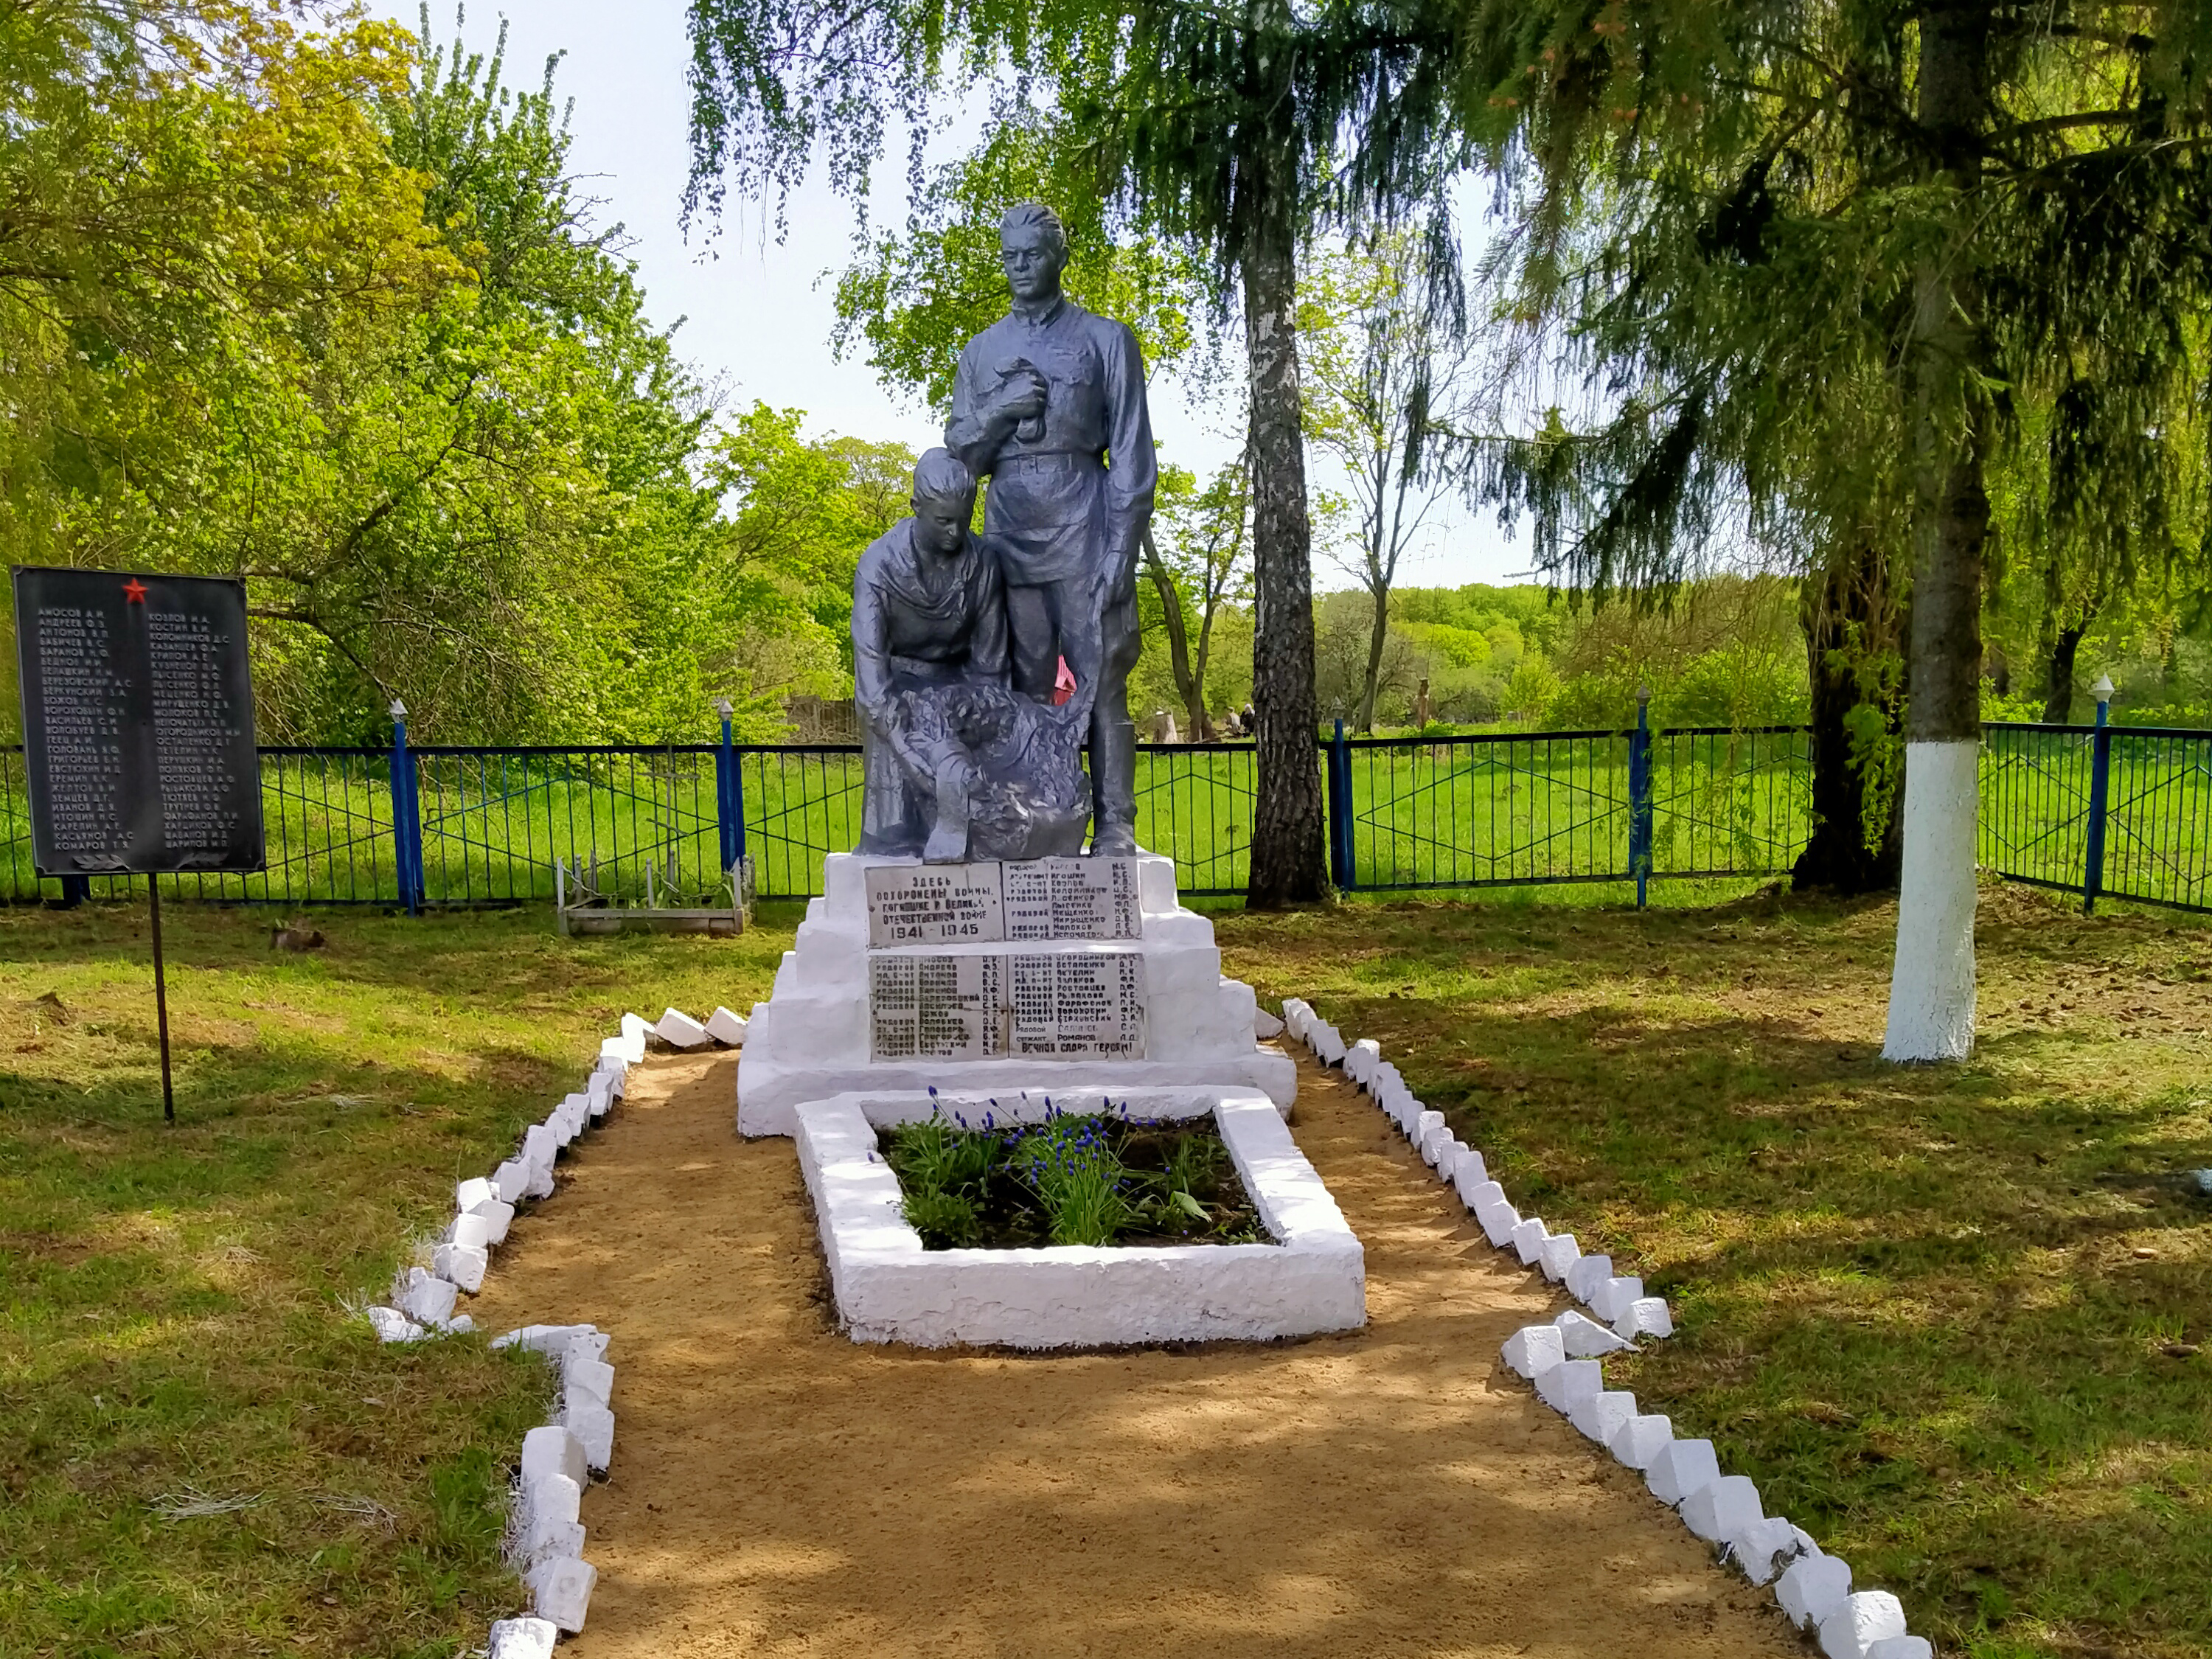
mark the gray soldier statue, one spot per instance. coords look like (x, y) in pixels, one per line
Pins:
(955, 765)
(1049, 404)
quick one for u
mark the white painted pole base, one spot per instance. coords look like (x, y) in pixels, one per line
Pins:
(1931, 987)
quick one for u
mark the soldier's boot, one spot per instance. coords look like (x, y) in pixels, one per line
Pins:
(1114, 788)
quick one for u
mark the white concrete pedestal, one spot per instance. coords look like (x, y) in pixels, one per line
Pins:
(809, 1040)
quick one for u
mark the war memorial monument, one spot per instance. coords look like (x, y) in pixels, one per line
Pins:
(972, 955)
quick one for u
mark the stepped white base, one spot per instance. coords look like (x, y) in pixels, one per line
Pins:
(811, 1039)
(888, 1289)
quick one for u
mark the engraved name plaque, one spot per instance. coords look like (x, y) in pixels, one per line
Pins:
(1066, 1004)
(1072, 898)
(934, 904)
(1078, 1005)
(936, 1007)
(137, 722)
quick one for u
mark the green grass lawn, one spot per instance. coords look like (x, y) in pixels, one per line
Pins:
(171, 1300)
(1955, 1321)
(1947, 1319)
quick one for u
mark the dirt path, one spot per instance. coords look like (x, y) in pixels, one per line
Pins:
(779, 1490)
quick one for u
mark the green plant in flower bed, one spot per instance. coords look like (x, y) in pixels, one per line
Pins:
(1099, 1177)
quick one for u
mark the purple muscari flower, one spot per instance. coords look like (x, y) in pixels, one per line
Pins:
(932, 1091)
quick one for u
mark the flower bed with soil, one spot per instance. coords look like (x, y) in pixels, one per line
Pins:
(1298, 1269)
(1102, 1177)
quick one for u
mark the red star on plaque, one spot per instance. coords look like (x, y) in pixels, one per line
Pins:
(134, 592)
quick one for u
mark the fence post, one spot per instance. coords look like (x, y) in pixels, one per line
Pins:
(1339, 811)
(2100, 767)
(406, 818)
(729, 795)
(1640, 797)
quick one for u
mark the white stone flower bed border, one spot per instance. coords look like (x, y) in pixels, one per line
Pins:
(1562, 1360)
(545, 1540)
(888, 1289)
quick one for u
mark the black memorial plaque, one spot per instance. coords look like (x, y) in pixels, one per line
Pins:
(137, 722)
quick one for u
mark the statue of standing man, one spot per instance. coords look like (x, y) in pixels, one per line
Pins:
(1049, 404)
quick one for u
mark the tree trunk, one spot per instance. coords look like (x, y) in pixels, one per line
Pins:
(1287, 864)
(2058, 682)
(1376, 641)
(1931, 993)
(1851, 620)
(1171, 618)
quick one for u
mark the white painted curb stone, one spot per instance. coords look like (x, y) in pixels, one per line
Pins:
(1500, 1221)
(1638, 1442)
(462, 1265)
(553, 1541)
(469, 1230)
(392, 1326)
(1436, 1139)
(1680, 1468)
(1528, 1239)
(593, 1426)
(496, 1217)
(1646, 1317)
(1721, 1509)
(1812, 1589)
(552, 1450)
(1863, 1619)
(1615, 1297)
(509, 1180)
(1557, 1254)
(1361, 1059)
(1470, 1176)
(548, 1340)
(1534, 1349)
(1566, 1386)
(1767, 1546)
(523, 1638)
(1265, 1026)
(1585, 1277)
(469, 1194)
(1604, 1414)
(679, 1030)
(551, 1501)
(1902, 1647)
(727, 1028)
(561, 1590)
(425, 1297)
(582, 1371)
(1586, 1338)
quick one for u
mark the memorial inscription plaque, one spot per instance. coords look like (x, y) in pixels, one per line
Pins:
(137, 722)
(952, 1004)
(934, 904)
(1078, 898)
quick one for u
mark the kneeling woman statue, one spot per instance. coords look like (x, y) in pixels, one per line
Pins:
(958, 765)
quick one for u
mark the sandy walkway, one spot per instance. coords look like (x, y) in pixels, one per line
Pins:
(779, 1490)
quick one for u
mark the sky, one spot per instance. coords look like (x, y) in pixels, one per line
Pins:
(756, 313)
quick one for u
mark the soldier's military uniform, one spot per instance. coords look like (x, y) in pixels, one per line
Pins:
(1070, 495)
(918, 619)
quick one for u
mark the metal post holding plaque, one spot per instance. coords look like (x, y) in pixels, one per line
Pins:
(138, 742)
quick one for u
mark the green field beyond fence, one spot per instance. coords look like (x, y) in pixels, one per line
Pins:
(2119, 811)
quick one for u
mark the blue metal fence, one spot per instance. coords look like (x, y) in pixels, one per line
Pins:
(2125, 811)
